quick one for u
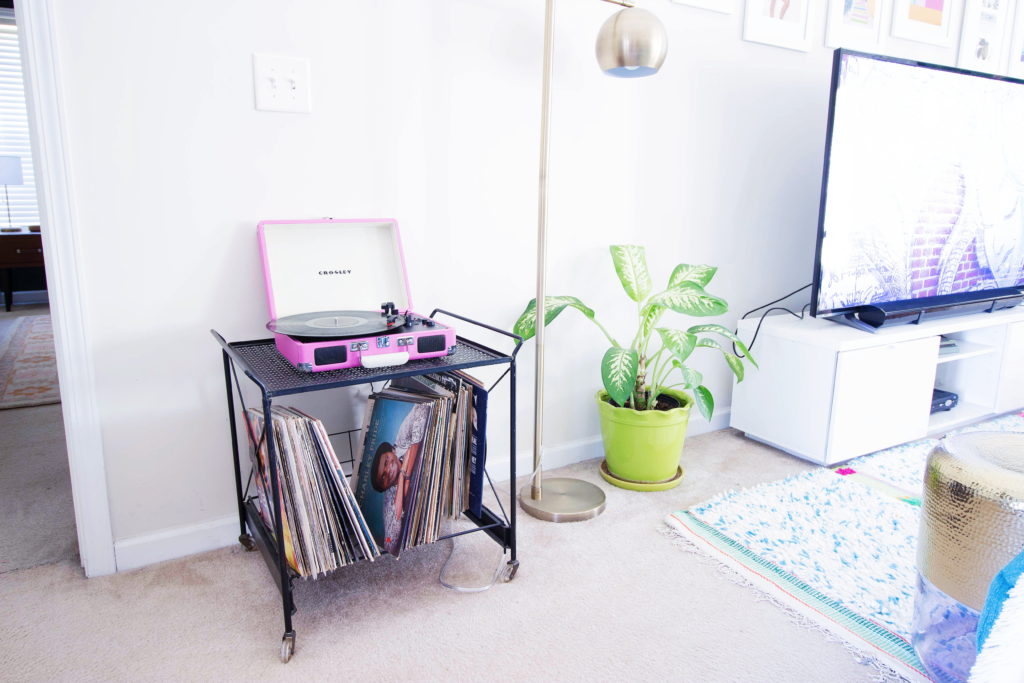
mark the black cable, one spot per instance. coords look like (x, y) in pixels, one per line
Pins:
(765, 315)
(795, 291)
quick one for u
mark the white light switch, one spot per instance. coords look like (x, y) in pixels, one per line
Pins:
(281, 83)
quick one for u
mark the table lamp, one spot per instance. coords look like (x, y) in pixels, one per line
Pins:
(10, 174)
(632, 43)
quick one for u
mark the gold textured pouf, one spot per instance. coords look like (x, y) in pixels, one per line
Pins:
(972, 525)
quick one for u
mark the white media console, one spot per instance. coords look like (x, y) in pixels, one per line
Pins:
(827, 392)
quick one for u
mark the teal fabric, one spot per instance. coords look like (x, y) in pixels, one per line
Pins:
(998, 590)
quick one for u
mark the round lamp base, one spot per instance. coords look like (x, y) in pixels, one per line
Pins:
(564, 500)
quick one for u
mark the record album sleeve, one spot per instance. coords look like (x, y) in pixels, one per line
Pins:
(390, 466)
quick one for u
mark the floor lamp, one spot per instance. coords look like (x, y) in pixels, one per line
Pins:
(10, 174)
(631, 43)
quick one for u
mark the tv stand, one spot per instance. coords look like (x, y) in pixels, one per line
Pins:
(872, 317)
(828, 393)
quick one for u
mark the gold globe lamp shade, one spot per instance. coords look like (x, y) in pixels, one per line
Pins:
(632, 43)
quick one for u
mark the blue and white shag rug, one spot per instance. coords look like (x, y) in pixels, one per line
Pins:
(836, 547)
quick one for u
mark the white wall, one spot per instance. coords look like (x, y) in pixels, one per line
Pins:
(427, 111)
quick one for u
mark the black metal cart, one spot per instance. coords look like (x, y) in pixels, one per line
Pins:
(275, 377)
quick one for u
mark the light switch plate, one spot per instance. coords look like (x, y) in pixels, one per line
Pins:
(281, 83)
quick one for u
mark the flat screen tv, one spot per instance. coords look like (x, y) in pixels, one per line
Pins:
(922, 201)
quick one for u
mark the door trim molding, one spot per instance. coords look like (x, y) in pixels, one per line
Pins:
(61, 250)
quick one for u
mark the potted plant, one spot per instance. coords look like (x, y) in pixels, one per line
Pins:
(649, 385)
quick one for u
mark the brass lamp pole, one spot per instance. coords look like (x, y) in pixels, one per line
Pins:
(632, 43)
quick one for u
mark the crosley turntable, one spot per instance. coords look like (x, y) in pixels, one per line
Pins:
(326, 280)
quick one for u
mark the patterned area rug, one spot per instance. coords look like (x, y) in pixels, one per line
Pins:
(835, 547)
(28, 368)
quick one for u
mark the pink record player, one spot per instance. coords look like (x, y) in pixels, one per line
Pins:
(339, 296)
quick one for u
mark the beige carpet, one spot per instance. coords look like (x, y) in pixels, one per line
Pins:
(608, 599)
(37, 519)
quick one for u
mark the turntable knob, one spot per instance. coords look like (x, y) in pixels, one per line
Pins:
(428, 322)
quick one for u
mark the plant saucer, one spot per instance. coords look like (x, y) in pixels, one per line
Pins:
(672, 482)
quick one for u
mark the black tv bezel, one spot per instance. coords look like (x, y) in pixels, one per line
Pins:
(943, 300)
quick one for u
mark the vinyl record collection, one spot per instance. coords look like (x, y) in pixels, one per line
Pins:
(423, 453)
(323, 526)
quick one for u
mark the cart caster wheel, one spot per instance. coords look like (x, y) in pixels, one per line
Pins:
(510, 570)
(287, 646)
(247, 542)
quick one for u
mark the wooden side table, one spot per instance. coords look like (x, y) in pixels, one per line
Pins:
(18, 250)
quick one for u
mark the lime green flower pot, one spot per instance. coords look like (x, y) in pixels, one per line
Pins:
(643, 446)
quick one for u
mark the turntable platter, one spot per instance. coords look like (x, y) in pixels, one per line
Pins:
(335, 324)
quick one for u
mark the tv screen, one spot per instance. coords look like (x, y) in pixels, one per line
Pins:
(923, 186)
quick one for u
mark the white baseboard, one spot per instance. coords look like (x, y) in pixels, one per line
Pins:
(587, 449)
(139, 551)
(720, 420)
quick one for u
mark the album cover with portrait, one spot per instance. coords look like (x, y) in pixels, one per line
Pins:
(389, 471)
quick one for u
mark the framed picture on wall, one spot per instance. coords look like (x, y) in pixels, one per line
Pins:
(983, 40)
(723, 6)
(926, 21)
(1016, 61)
(855, 24)
(783, 23)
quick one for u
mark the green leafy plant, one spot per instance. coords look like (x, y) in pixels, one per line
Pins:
(635, 375)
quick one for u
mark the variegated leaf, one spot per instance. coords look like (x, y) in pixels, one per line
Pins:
(705, 401)
(631, 266)
(735, 364)
(649, 317)
(618, 373)
(684, 272)
(691, 377)
(526, 325)
(710, 344)
(691, 299)
(728, 334)
(680, 344)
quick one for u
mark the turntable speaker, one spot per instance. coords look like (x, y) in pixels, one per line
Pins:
(323, 281)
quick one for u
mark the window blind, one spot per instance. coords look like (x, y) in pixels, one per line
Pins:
(14, 140)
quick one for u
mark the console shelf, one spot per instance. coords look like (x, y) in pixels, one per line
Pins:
(260, 362)
(827, 392)
(966, 350)
(962, 414)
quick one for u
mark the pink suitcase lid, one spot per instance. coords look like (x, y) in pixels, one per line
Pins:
(332, 264)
